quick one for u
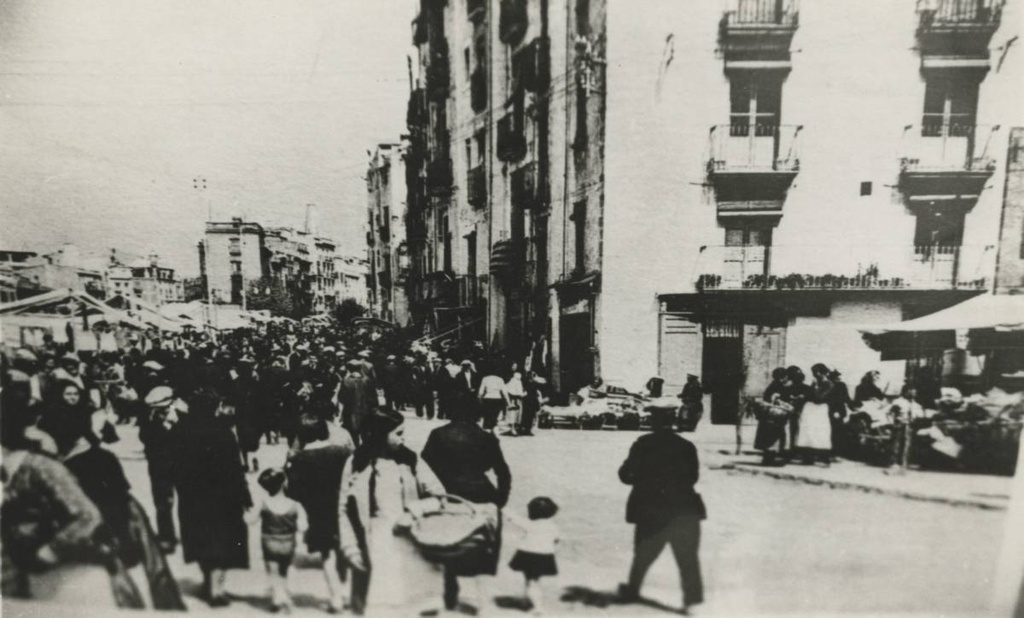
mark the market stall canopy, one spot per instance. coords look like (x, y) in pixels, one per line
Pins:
(145, 312)
(69, 303)
(980, 316)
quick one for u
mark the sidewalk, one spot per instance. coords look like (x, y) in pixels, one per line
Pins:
(717, 444)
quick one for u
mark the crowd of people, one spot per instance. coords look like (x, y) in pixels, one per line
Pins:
(809, 422)
(205, 405)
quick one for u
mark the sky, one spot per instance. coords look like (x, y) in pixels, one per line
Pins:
(110, 108)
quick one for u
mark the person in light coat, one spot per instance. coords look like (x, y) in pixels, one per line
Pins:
(380, 484)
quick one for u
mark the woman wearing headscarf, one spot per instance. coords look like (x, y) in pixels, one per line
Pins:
(381, 482)
(212, 494)
(126, 528)
(47, 524)
(63, 412)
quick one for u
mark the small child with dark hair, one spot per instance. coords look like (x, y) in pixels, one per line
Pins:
(281, 520)
(535, 555)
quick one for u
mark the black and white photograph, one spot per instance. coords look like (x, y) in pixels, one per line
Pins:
(499, 308)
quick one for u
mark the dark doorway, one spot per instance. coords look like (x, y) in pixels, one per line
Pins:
(723, 370)
(576, 358)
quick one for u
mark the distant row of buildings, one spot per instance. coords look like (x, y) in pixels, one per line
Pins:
(234, 258)
(26, 273)
(718, 189)
(235, 255)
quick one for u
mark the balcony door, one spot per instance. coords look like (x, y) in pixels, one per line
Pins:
(745, 252)
(937, 239)
(755, 108)
(948, 121)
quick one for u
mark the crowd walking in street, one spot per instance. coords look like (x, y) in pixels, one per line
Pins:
(339, 399)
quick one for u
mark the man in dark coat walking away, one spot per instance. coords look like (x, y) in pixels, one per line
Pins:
(357, 397)
(662, 467)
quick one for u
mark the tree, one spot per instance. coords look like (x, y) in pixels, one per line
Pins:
(267, 293)
(348, 310)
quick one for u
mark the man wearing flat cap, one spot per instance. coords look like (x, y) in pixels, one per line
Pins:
(155, 431)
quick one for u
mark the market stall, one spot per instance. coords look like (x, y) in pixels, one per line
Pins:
(69, 316)
(968, 364)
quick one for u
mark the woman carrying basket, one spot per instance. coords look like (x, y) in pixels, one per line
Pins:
(462, 453)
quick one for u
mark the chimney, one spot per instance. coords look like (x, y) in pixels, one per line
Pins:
(310, 224)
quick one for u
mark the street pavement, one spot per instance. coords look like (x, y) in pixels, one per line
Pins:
(770, 546)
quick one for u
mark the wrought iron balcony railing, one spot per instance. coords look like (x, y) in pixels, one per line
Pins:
(746, 13)
(947, 143)
(945, 13)
(759, 146)
(853, 267)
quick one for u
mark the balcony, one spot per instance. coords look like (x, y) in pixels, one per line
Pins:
(524, 188)
(530, 67)
(476, 10)
(513, 21)
(419, 30)
(506, 256)
(759, 29)
(957, 27)
(837, 268)
(439, 176)
(478, 90)
(417, 115)
(511, 138)
(438, 73)
(945, 160)
(752, 166)
(476, 182)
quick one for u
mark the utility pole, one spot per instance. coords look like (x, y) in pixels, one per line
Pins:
(199, 184)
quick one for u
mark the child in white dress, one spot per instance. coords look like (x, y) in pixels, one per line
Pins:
(535, 556)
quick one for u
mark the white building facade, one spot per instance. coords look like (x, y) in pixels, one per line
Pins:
(808, 171)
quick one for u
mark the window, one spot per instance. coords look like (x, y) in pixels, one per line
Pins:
(755, 100)
(446, 239)
(583, 17)
(950, 105)
(471, 253)
(581, 117)
(236, 266)
(748, 236)
(937, 228)
(865, 188)
(481, 145)
(579, 219)
(467, 63)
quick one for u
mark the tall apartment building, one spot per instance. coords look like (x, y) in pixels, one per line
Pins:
(387, 252)
(732, 187)
(231, 254)
(505, 161)
(819, 169)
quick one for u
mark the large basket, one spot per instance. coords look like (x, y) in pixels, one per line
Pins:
(454, 531)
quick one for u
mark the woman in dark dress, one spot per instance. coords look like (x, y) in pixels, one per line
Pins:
(461, 454)
(212, 494)
(314, 481)
(126, 528)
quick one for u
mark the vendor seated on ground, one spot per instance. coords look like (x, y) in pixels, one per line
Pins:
(596, 390)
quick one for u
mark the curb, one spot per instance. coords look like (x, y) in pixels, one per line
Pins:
(909, 495)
